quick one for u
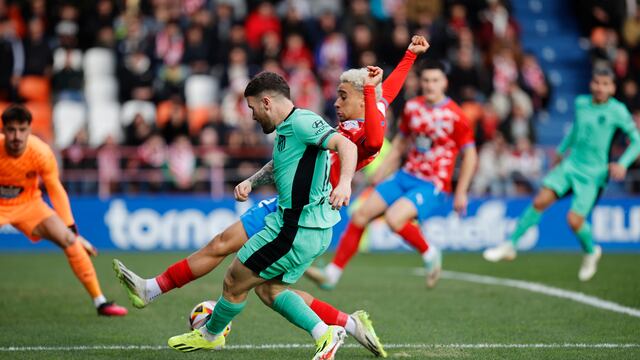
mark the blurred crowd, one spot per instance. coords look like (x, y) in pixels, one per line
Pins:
(149, 93)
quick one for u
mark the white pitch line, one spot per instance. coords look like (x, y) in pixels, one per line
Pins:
(308, 346)
(540, 289)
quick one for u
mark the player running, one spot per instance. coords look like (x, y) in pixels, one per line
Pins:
(299, 231)
(433, 130)
(23, 159)
(357, 98)
(584, 171)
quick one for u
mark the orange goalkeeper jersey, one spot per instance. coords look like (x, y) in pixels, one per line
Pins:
(19, 177)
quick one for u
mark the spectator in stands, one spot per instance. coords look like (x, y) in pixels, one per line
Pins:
(497, 25)
(197, 51)
(138, 131)
(518, 124)
(100, 17)
(261, 21)
(38, 56)
(136, 77)
(534, 82)
(631, 30)
(177, 124)
(76, 161)
(68, 79)
(181, 164)
(149, 162)
(12, 55)
(295, 53)
(271, 47)
(524, 166)
(492, 174)
(467, 81)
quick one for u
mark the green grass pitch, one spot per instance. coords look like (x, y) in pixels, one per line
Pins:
(42, 304)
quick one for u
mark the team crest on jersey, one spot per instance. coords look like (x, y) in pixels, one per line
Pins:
(350, 124)
(31, 174)
(282, 142)
(601, 119)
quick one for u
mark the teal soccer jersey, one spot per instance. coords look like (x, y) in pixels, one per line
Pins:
(301, 229)
(590, 137)
(586, 168)
(301, 168)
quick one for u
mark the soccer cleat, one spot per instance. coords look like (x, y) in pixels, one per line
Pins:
(134, 284)
(194, 340)
(329, 343)
(590, 264)
(366, 335)
(434, 268)
(318, 276)
(111, 309)
(504, 251)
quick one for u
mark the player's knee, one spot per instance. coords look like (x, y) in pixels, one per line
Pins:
(393, 220)
(264, 294)
(575, 221)
(360, 217)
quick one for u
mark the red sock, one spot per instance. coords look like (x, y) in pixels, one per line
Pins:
(348, 245)
(176, 275)
(329, 314)
(411, 233)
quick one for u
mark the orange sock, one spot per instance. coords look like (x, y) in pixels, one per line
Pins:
(83, 268)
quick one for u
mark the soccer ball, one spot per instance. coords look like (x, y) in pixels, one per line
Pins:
(201, 314)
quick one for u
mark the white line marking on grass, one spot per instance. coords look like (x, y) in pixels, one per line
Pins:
(541, 289)
(309, 346)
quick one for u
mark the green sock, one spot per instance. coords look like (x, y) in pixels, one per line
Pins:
(292, 307)
(586, 240)
(222, 315)
(530, 217)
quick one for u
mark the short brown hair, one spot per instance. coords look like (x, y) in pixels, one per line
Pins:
(267, 81)
(16, 112)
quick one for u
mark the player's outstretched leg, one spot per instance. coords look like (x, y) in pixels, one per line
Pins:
(328, 277)
(593, 253)
(143, 291)
(54, 230)
(358, 324)
(531, 217)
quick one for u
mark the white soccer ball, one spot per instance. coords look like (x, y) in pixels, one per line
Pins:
(201, 314)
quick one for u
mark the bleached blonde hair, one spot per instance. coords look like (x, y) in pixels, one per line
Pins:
(356, 77)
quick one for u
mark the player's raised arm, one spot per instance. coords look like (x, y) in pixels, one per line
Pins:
(374, 113)
(264, 176)
(393, 84)
(348, 154)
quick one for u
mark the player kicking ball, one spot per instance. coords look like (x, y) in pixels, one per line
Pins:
(298, 232)
(360, 105)
(584, 172)
(23, 159)
(432, 131)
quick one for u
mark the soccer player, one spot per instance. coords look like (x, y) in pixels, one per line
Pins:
(298, 232)
(432, 131)
(358, 96)
(23, 159)
(584, 172)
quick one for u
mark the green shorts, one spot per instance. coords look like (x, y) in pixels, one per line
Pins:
(563, 180)
(283, 251)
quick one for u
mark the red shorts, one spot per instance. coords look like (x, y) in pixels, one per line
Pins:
(27, 216)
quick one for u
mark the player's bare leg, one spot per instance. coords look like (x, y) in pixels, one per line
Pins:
(328, 277)
(400, 218)
(593, 253)
(54, 230)
(531, 216)
(142, 291)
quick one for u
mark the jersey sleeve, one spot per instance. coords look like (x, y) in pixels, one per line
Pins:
(312, 130)
(393, 84)
(374, 121)
(462, 132)
(626, 124)
(55, 190)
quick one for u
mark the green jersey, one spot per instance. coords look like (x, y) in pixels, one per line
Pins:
(301, 170)
(590, 137)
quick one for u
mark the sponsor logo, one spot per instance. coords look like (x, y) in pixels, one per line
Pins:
(615, 224)
(10, 191)
(490, 226)
(31, 174)
(148, 229)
